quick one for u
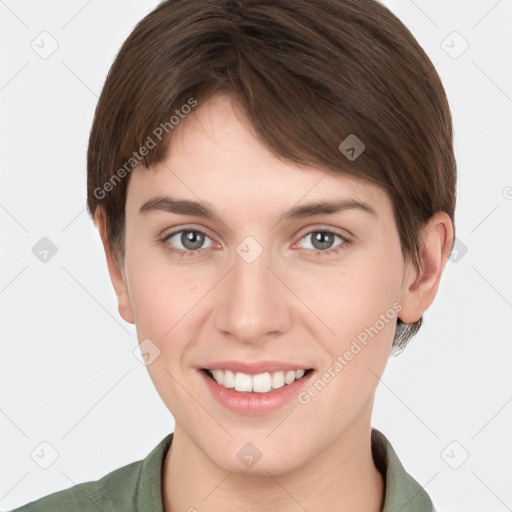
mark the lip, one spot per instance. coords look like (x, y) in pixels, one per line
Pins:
(255, 403)
(255, 368)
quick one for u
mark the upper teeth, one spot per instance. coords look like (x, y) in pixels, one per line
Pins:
(261, 383)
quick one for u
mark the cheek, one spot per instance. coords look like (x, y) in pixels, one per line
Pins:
(161, 294)
(169, 302)
(360, 307)
(353, 299)
(164, 301)
(362, 312)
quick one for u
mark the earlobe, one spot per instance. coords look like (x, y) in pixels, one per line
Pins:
(421, 285)
(116, 275)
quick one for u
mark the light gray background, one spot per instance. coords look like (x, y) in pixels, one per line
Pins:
(68, 374)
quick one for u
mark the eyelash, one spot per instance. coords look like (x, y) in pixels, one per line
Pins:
(181, 253)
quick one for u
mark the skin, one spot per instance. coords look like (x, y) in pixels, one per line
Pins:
(290, 304)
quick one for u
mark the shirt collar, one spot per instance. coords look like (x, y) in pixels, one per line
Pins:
(149, 488)
(402, 492)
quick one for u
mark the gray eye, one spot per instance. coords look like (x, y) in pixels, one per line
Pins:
(190, 240)
(322, 240)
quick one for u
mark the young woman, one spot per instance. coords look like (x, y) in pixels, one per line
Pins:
(274, 186)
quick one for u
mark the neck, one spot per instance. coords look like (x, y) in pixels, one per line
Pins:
(343, 477)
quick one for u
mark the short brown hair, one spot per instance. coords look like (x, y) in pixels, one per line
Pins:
(308, 73)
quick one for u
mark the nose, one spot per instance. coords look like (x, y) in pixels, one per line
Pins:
(253, 304)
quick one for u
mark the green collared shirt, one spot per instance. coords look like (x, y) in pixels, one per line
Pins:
(138, 486)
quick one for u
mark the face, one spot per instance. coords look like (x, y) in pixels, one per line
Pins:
(261, 290)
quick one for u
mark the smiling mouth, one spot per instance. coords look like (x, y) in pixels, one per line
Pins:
(260, 383)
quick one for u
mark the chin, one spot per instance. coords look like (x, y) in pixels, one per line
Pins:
(251, 461)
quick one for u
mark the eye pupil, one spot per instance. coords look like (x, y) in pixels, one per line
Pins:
(192, 240)
(323, 238)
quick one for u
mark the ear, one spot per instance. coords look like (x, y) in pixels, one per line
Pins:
(116, 274)
(420, 286)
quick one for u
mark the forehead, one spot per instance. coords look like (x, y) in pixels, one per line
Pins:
(215, 155)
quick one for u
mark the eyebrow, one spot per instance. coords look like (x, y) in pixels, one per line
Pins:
(197, 209)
